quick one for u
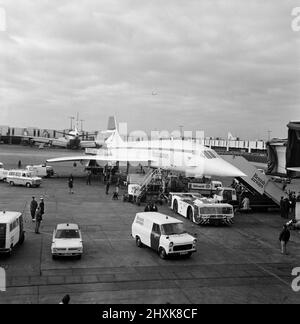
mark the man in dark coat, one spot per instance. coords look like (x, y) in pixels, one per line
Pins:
(42, 206)
(284, 238)
(89, 178)
(33, 207)
(282, 207)
(148, 208)
(287, 206)
(38, 219)
(154, 207)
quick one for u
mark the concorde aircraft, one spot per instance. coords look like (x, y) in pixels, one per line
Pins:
(185, 156)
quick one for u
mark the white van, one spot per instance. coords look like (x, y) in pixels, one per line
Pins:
(11, 230)
(22, 178)
(163, 234)
(3, 172)
(43, 170)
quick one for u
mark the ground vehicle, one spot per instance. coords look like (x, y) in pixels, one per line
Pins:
(42, 170)
(201, 210)
(11, 230)
(226, 195)
(163, 234)
(205, 188)
(67, 241)
(3, 172)
(22, 178)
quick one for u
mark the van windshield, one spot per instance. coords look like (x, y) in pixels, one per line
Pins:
(171, 229)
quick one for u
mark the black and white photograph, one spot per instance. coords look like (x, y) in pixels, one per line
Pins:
(149, 154)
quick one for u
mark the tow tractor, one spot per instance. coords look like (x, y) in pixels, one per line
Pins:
(201, 210)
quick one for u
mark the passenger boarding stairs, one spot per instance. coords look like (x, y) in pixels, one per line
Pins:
(149, 179)
(256, 180)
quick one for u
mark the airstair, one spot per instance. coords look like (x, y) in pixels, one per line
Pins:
(152, 177)
(256, 180)
(147, 185)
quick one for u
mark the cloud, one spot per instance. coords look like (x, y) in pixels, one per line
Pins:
(215, 65)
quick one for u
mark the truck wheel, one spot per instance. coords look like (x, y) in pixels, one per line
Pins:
(138, 242)
(162, 253)
(175, 207)
(54, 257)
(190, 214)
(28, 185)
(12, 183)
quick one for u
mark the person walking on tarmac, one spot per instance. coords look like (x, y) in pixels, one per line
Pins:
(107, 186)
(154, 207)
(33, 208)
(89, 178)
(71, 185)
(38, 219)
(42, 206)
(282, 208)
(148, 208)
(287, 206)
(284, 238)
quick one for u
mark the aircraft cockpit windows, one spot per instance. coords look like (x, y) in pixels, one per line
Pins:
(202, 154)
(207, 154)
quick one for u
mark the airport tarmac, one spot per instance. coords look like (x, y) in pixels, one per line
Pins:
(237, 264)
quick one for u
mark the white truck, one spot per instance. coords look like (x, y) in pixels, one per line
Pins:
(206, 189)
(201, 210)
(43, 170)
(3, 173)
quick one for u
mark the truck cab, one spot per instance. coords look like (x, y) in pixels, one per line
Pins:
(226, 195)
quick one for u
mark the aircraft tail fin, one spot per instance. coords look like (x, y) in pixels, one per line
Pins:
(112, 135)
(112, 124)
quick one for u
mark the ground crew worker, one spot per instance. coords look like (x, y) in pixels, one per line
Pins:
(38, 219)
(284, 239)
(33, 207)
(66, 300)
(287, 206)
(282, 207)
(107, 186)
(42, 206)
(89, 177)
(148, 208)
(71, 185)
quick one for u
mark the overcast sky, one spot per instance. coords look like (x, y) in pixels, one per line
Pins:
(212, 65)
